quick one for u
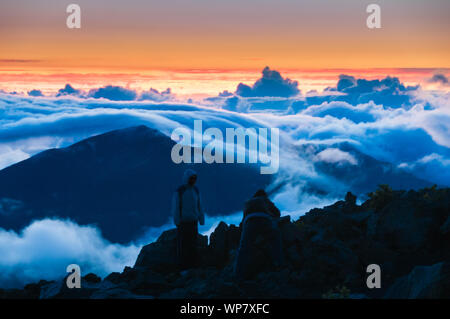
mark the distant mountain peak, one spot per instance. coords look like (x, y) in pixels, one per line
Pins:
(121, 180)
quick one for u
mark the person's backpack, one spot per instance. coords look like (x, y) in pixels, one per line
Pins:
(181, 191)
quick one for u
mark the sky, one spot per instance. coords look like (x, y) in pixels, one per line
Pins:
(197, 46)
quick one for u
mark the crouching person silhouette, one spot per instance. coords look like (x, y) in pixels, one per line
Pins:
(260, 248)
(187, 212)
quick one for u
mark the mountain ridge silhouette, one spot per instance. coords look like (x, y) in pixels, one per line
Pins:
(122, 181)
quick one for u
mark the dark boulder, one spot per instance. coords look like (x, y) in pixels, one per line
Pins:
(58, 289)
(161, 256)
(117, 293)
(326, 264)
(403, 228)
(224, 239)
(92, 278)
(423, 282)
(143, 280)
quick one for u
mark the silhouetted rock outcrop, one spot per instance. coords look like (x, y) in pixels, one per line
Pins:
(326, 252)
(423, 282)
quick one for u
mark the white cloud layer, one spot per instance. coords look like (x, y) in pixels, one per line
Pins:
(335, 155)
(45, 248)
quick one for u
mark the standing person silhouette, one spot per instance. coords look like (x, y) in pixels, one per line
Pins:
(187, 212)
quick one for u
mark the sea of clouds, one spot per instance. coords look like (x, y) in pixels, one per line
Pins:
(402, 125)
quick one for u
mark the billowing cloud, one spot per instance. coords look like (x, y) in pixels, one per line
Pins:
(373, 129)
(155, 95)
(68, 90)
(335, 155)
(434, 167)
(389, 92)
(45, 248)
(35, 93)
(113, 93)
(257, 104)
(340, 110)
(274, 93)
(439, 78)
(348, 84)
(118, 93)
(9, 155)
(270, 84)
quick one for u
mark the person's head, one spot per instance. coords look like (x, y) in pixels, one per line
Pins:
(190, 177)
(260, 193)
(192, 180)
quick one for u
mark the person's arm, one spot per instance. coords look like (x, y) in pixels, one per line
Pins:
(201, 215)
(246, 210)
(176, 209)
(273, 210)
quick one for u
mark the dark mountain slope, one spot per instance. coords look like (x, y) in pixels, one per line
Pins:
(363, 177)
(121, 180)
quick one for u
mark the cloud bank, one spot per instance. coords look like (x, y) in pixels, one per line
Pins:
(35, 93)
(113, 93)
(45, 248)
(68, 90)
(440, 79)
(335, 155)
(270, 84)
(273, 92)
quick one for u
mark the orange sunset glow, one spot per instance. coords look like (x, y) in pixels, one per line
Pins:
(203, 48)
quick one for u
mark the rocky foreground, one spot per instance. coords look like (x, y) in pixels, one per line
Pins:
(327, 251)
